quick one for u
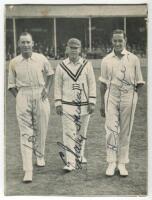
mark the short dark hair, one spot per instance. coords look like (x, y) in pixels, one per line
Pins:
(25, 34)
(119, 31)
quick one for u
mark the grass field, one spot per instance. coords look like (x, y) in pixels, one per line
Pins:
(91, 180)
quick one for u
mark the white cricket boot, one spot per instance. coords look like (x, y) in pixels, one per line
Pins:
(111, 169)
(83, 160)
(28, 177)
(69, 167)
(122, 169)
(40, 162)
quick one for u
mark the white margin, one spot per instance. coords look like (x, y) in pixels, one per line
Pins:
(149, 93)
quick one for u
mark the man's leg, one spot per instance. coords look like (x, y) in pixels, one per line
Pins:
(127, 111)
(41, 116)
(83, 132)
(69, 137)
(112, 127)
(24, 117)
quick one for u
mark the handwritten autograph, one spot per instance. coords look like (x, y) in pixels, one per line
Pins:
(34, 147)
(115, 134)
(76, 153)
(32, 139)
(76, 118)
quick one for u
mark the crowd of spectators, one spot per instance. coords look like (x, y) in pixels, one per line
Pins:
(98, 50)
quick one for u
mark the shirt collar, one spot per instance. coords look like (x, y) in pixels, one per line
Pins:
(124, 52)
(80, 61)
(30, 58)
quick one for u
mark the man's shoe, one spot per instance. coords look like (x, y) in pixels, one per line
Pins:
(68, 168)
(40, 162)
(122, 169)
(83, 160)
(111, 169)
(28, 177)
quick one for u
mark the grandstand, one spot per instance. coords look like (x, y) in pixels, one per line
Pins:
(52, 25)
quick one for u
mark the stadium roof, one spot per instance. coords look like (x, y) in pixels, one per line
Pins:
(76, 11)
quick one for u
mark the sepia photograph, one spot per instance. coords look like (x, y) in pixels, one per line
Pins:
(76, 100)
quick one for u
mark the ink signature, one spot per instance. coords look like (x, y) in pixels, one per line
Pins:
(115, 134)
(114, 137)
(31, 139)
(76, 118)
(34, 147)
(77, 152)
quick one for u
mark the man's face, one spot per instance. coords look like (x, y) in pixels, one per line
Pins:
(118, 42)
(73, 51)
(26, 44)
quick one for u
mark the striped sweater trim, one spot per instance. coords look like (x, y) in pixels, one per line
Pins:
(70, 73)
(58, 99)
(74, 103)
(92, 97)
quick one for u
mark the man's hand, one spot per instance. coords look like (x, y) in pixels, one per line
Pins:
(14, 91)
(102, 110)
(44, 94)
(91, 108)
(59, 110)
(139, 89)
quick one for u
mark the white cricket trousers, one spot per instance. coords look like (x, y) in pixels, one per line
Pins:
(33, 116)
(120, 109)
(70, 131)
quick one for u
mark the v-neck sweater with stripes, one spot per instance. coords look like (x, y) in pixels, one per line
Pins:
(75, 85)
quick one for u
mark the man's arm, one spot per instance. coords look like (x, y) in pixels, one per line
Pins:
(49, 78)
(103, 84)
(138, 77)
(92, 89)
(12, 79)
(58, 85)
(46, 91)
(102, 93)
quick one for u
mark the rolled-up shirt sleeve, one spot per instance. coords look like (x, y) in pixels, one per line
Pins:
(58, 86)
(104, 77)
(47, 67)
(91, 84)
(138, 74)
(11, 76)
